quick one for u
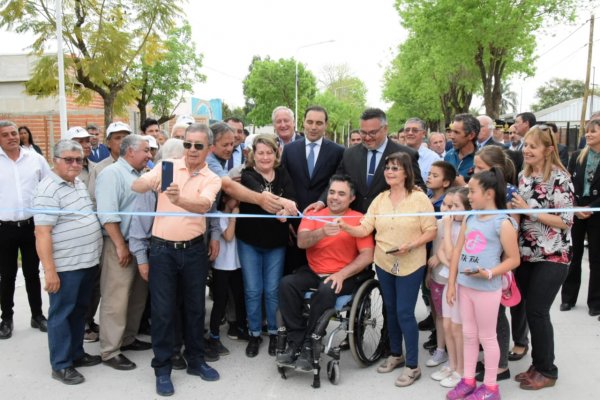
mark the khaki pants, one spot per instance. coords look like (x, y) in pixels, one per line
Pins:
(124, 295)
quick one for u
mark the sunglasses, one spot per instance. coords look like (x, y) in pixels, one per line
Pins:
(197, 146)
(392, 168)
(72, 160)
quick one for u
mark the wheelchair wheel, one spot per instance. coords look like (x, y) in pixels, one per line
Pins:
(368, 338)
(333, 372)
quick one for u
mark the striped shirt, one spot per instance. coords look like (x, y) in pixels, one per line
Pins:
(76, 238)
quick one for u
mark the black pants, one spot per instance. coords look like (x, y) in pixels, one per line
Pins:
(223, 281)
(540, 283)
(518, 319)
(570, 289)
(291, 300)
(12, 239)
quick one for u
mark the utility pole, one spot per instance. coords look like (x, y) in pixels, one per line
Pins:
(586, 91)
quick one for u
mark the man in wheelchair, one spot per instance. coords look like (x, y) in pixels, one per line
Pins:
(333, 257)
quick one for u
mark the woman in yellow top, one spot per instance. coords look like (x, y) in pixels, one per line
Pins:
(400, 258)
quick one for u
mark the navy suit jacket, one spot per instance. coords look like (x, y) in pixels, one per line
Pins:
(577, 171)
(354, 164)
(293, 160)
(104, 153)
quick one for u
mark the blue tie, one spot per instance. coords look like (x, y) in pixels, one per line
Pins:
(310, 160)
(372, 166)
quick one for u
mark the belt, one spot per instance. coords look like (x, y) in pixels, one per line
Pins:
(18, 224)
(184, 244)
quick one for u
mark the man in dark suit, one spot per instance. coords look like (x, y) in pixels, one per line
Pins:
(486, 132)
(99, 151)
(310, 162)
(364, 164)
(563, 151)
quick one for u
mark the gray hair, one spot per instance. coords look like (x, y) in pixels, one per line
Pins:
(432, 134)
(219, 129)
(164, 134)
(416, 121)
(279, 108)
(200, 128)
(66, 145)
(4, 123)
(178, 126)
(172, 148)
(131, 141)
(487, 122)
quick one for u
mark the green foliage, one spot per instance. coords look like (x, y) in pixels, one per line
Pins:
(271, 83)
(557, 90)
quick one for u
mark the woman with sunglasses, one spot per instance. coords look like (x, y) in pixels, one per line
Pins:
(545, 245)
(400, 258)
(26, 139)
(584, 167)
(262, 241)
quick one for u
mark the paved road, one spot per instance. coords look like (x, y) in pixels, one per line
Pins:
(25, 370)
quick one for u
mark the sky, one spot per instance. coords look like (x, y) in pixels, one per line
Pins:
(364, 35)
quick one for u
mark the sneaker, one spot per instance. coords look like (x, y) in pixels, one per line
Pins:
(438, 358)
(217, 346)
(442, 373)
(427, 324)
(451, 381)
(390, 364)
(204, 371)
(164, 386)
(431, 343)
(460, 391)
(484, 393)
(408, 377)
(90, 336)
(211, 353)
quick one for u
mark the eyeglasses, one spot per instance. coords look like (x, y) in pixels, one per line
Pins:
(197, 146)
(71, 160)
(393, 168)
(372, 133)
(413, 130)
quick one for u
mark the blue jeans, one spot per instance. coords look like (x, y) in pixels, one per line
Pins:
(173, 273)
(262, 270)
(66, 316)
(400, 295)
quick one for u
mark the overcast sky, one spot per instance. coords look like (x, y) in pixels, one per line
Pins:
(365, 34)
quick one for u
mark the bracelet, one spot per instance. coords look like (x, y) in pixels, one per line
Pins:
(490, 274)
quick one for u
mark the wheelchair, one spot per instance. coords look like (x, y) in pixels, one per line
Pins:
(361, 318)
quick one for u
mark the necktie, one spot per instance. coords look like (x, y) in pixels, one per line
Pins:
(230, 163)
(310, 160)
(372, 166)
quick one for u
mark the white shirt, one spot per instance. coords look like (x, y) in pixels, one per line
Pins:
(18, 182)
(316, 150)
(426, 158)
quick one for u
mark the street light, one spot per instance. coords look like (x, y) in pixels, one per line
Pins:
(296, 83)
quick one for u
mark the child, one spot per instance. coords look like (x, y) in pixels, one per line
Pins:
(441, 176)
(477, 267)
(226, 275)
(449, 375)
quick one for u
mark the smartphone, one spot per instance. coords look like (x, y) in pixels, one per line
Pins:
(167, 175)
(469, 271)
(390, 251)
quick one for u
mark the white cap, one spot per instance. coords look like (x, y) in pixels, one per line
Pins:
(250, 141)
(151, 141)
(185, 119)
(76, 132)
(117, 127)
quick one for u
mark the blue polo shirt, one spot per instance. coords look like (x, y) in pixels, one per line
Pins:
(463, 167)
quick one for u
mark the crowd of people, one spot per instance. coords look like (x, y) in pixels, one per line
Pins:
(89, 222)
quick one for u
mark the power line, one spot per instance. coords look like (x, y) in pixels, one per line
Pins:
(568, 36)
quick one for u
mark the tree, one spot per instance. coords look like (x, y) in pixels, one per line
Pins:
(103, 39)
(494, 39)
(271, 83)
(237, 112)
(557, 90)
(163, 80)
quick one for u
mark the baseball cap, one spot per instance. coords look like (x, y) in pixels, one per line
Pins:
(117, 127)
(151, 141)
(76, 132)
(185, 119)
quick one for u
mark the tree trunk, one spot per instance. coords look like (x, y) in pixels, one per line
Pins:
(109, 102)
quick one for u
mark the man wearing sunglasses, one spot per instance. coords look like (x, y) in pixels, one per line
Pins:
(21, 171)
(178, 256)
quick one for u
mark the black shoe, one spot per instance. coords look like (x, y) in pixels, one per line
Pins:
(137, 345)
(120, 362)
(253, 345)
(94, 327)
(211, 352)
(512, 356)
(431, 343)
(235, 333)
(217, 345)
(427, 324)
(289, 356)
(305, 359)
(87, 360)
(566, 306)
(500, 377)
(272, 345)
(594, 312)
(39, 322)
(68, 376)
(345, 344)
(6, 328)
(178, 362)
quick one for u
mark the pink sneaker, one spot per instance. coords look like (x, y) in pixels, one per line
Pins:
(460, 391)
(483, 393)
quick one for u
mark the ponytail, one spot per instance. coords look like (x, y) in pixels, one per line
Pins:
(493, 179)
